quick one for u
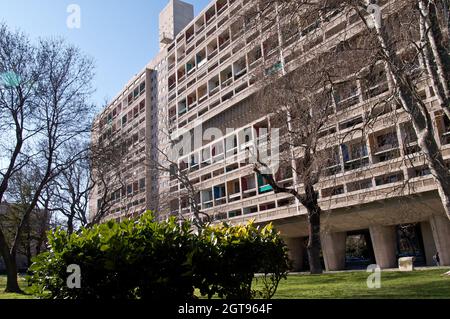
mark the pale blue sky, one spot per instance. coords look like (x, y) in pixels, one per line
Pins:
(120, 35)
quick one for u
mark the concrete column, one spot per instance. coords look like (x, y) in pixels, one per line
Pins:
(384, 241)
(296, 252)
(428, 242)
(333, 248)
(440, 226)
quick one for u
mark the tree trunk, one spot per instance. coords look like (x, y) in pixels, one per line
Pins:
(70, 225)
(421, 120)
(12, 284)
(435, 55)
(314, 244)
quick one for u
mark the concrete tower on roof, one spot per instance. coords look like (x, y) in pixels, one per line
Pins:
(172, 19)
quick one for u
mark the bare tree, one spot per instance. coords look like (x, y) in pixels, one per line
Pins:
(19, 72)
(169, 166)
(48, 96)
(69, 192)
(404, 36)
(33, 236)
(401, 31)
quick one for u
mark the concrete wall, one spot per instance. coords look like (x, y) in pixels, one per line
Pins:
(175, 16)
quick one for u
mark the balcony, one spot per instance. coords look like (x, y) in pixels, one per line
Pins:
(202, 99)
(201, 63)
(182, 109)
(265, 189)
(444, 127)
(240, 73)
(191, 37)
(219, 195)
(355, 156)
(210, 15)
(224, 44)
(214, 91)
(191, 70)
(389, 178)
(376, 90)
(222, 5)
(227, 82)
(263, 184)
(200, 29)
(181, 57)
(446, 138)
(348, 101)
(181, 78)
(386, 146)
(213, 53)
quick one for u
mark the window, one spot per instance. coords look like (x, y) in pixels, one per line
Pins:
(142, 184)
(142, 106)
(263, 183)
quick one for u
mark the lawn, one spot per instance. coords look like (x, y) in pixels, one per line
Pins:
(23, 285)
(394, 285)
(417, 284)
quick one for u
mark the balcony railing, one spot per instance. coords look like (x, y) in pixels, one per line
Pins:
(201, 63)
(199, 30)
(188, 40)
(240, 73)
(348, 102)
(213, 54)
(192, 105)
(182, 111)
(222, 10)
(227, 82)
(214, 91)
(385, 148)
(224, 44)
(191, 70)
(202, 98)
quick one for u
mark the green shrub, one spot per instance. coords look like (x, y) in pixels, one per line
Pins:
(226, 259)
(146, 259)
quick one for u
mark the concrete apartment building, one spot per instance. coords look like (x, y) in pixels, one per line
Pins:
(132, 120)
(210, 67)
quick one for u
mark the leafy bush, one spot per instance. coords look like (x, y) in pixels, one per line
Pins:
(146, 259)
(226, 259)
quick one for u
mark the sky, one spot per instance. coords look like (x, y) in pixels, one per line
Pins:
(120, 35)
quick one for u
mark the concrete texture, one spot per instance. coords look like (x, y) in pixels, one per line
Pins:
(333, 248)
(384, 245)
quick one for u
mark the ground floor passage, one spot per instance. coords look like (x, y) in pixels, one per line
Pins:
(381, 233)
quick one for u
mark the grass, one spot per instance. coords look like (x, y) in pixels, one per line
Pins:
(23, 285)
(420, 284)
